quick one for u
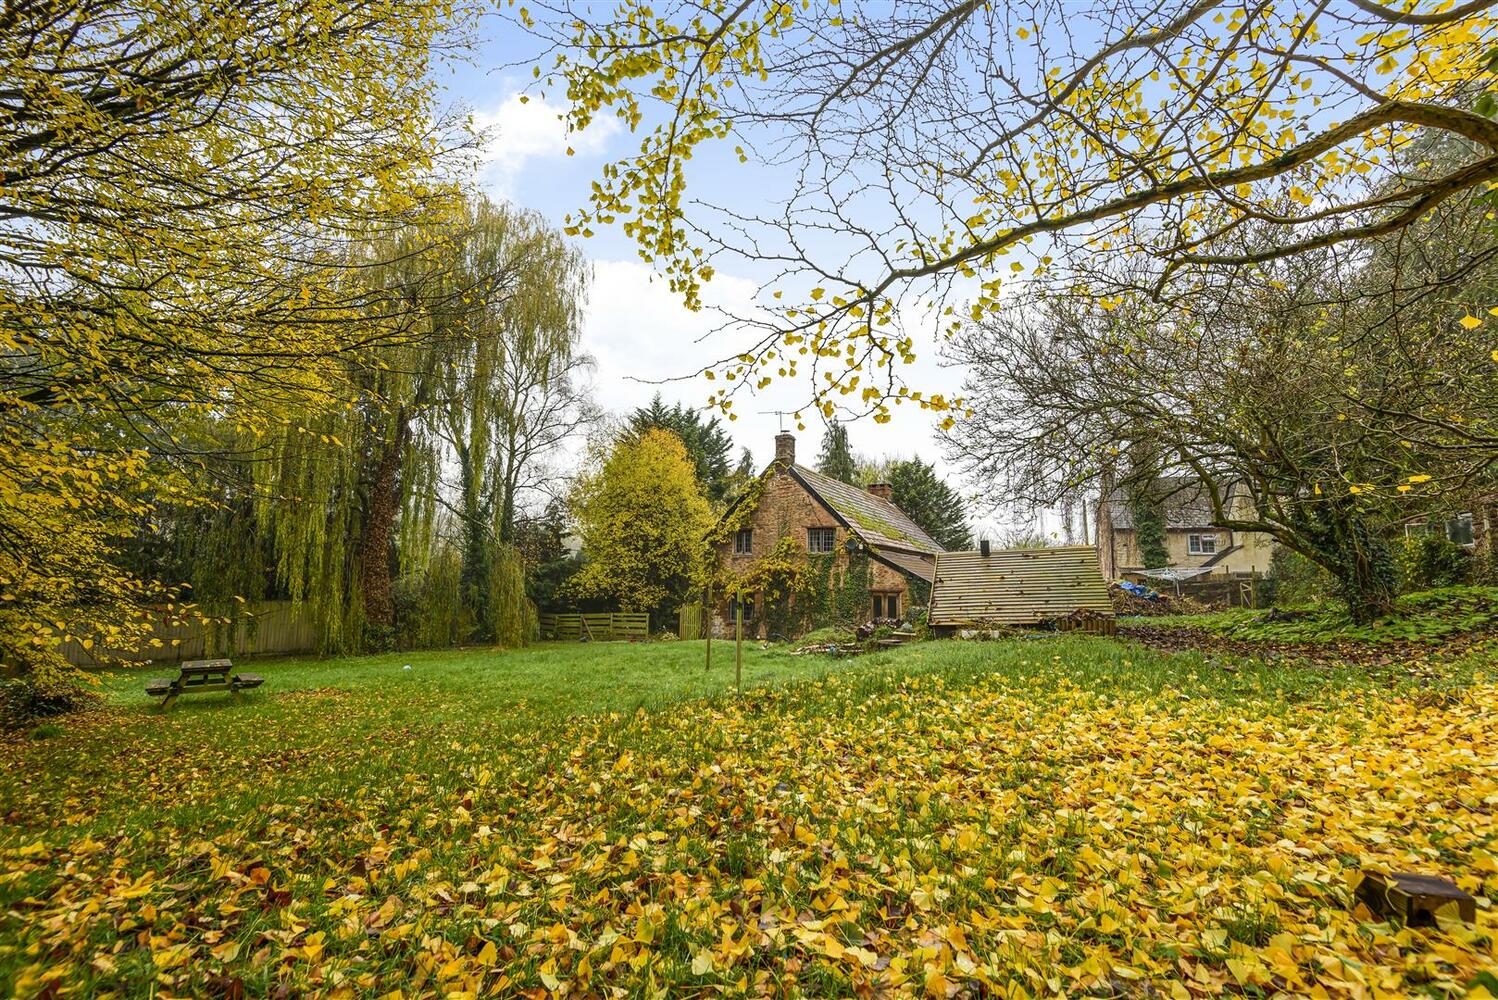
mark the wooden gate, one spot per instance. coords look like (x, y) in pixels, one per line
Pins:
(691, 622)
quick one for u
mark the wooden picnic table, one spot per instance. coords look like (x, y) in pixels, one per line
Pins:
(194, 676)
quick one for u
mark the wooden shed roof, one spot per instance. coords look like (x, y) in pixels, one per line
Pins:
(1017, 586)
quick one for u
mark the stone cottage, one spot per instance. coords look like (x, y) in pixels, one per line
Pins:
(860, 556)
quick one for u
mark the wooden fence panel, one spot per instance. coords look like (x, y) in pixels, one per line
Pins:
(1229, 591)
(634, 627)
(599, 627)
(602, 626)
(268, 629)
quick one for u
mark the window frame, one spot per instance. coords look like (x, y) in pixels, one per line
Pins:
(749, 604)
(814, 534)
(743, 542)
(1198, 544)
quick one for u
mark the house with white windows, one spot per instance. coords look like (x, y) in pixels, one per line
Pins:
(1193, 541)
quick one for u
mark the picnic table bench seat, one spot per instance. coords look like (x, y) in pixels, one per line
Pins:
(201, 675)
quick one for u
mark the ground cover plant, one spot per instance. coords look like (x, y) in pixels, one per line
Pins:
(1428, 617)
(1024, 817)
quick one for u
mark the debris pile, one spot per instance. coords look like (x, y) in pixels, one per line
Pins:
(870, 628)
(1086, 620)
(1135, 599)
(873, 634)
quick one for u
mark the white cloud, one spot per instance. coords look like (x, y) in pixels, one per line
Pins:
(638, 329)
(641, 334)
(518, 132)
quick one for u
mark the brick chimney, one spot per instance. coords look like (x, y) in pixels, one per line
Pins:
(785, 449)
(884, 491)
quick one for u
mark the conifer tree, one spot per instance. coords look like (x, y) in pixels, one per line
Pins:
(836, 457)
(918, 491)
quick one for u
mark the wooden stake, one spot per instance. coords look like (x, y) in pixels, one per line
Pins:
(707, 623)
(738, 646)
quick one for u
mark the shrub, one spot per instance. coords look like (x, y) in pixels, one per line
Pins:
(1429, 561)
(24, 700)
(1294, 579)
(826, 636)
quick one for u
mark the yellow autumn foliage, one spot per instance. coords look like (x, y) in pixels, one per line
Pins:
(1014, 835)
(183, 194)
(644, 522)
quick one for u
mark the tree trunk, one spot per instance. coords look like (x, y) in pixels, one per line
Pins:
(1367, 587)
(379, 532)
(1341, 540)
(478, 561)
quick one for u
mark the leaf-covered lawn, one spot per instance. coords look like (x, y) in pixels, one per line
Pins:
(1019, 818)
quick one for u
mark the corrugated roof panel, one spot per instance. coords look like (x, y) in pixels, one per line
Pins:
(1017, 586)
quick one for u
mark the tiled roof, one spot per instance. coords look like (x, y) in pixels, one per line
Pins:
(1187, 505)
(923, 566)
(1017, 586)
(878, 522)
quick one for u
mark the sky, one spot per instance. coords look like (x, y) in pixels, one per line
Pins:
(643, 338)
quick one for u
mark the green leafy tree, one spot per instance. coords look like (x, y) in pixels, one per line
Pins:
(541, 537)
(931, 503)
(743, 473)
(644, 522)
(184, 189)
(389, 519)
(707, 443)
(836, 458)
(480, 387)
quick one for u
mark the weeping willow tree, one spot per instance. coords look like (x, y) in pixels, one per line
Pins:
(482, 379)
(512, 396)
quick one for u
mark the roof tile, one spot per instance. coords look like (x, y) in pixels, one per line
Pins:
(877, 521)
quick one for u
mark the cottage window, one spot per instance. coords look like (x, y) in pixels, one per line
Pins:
(821, 539)
(1201, 545)
(748, 607)
(886, 605)
(743, 542)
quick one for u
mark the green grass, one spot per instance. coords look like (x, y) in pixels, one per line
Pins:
(541, 681)
(307, 775)
(1429, 617)
(316, 719)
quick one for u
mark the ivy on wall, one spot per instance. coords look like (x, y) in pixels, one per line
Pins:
(740, 515)
(799, 591)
